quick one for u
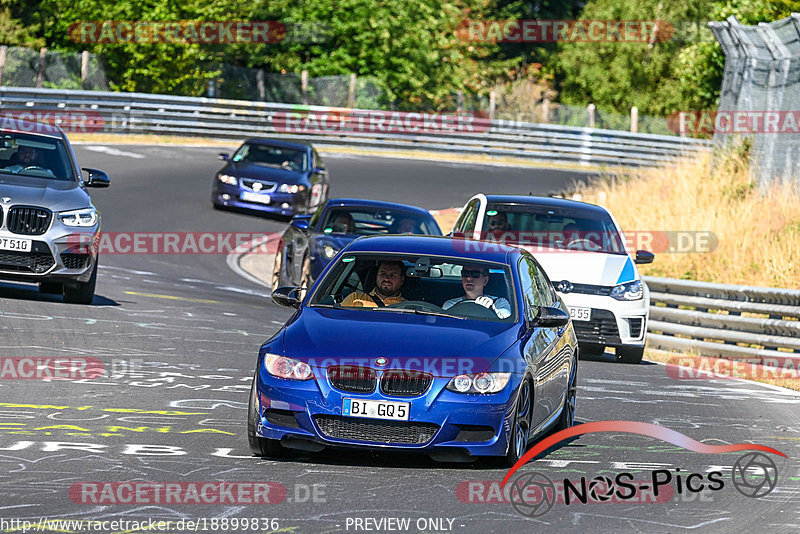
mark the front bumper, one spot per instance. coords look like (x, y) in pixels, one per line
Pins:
(440, 422)
(284, 204)
(62, 254)
(613, 322)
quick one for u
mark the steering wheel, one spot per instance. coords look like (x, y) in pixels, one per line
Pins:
(471, 309)
(35, 168)
(585, 244)
(420, 305)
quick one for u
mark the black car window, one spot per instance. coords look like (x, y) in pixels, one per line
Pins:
(466, 222)
(35, 155)
(574, 228)
(272, 156)
(544, 296)
(527, 274)
(548, 290)
(376, 221)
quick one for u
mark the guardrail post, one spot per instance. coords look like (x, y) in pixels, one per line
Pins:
(3, 51)
(351, 92)
(84, 68)
(590, 110)
(492, 104)
(635, 119)
(304, 86)
(546, 110)
(261, 85)
(459, 101)
(40, 74)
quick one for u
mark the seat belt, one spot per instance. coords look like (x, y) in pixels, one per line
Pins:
(377, 301)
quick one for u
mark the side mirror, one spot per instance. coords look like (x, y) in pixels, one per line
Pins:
(642, 256)
(287, 296)
(551, 317)
(319, 170)
(224, 156)
(97, 178)
(300, 222)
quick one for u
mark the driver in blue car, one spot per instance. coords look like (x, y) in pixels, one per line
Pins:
(387, 288)
(473, 280)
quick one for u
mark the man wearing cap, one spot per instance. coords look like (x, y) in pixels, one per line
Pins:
(473, 280)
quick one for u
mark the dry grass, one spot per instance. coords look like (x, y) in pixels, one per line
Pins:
(758, 232)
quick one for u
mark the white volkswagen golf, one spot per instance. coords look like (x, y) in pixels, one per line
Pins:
(583, 251)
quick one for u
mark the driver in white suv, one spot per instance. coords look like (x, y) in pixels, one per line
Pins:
(473, 281)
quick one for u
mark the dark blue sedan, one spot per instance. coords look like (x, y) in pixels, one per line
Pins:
(417, 344)
(274, 177)
(309, 243)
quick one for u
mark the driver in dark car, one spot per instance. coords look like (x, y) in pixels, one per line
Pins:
(474, 280)
(387, 288)
(26, 156)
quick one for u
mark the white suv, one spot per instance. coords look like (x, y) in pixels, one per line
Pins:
(582, 250)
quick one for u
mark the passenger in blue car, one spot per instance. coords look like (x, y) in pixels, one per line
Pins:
(474, 280)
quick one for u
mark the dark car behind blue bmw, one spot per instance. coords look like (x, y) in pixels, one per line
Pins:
(270, 176)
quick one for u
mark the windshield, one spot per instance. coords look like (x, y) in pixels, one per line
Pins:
(272, 156)
(549, 227)
(372, 221)
(34, 155)
(428, 285)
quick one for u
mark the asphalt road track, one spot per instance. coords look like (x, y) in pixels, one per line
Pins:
(193, 328)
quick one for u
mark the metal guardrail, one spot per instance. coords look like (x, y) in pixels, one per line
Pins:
(130, 113)
(724, 321)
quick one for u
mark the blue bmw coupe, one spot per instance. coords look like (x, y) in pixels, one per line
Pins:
(426, 344)
(273, 177)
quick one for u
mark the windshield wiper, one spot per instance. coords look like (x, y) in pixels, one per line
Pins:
(335, 306)
(420, 312)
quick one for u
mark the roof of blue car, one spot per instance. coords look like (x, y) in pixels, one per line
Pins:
(434, 246)
(376, 204)
(276, 142)
(543, 201)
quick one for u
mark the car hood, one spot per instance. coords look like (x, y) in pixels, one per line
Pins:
(445, 347)
(55, 195)
(261, 172)
(581, 267)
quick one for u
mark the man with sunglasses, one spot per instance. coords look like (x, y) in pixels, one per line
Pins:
(474, 280)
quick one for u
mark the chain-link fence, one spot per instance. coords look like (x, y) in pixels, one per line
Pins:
(23, 67)
(523, 103)
(760, 97)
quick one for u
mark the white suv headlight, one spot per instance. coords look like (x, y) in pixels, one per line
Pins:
(83, 217)
(630, 291)
(289, 368)
(479, 383)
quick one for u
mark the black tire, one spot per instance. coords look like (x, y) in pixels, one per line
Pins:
(259, 446)
(632, 355)
(50, 288)
(520, 433)
(83, 292)
(591, 349)
(567, 418)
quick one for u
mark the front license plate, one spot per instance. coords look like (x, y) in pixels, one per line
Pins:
(19, 245)
(395, 411)
(580, 314)
(256, 197)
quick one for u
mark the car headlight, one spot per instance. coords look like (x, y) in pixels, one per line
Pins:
(630, 291)
(479, 383)
(329, 251)
(283, 367)
(83, 217)
(228, 179)
(291, 188)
